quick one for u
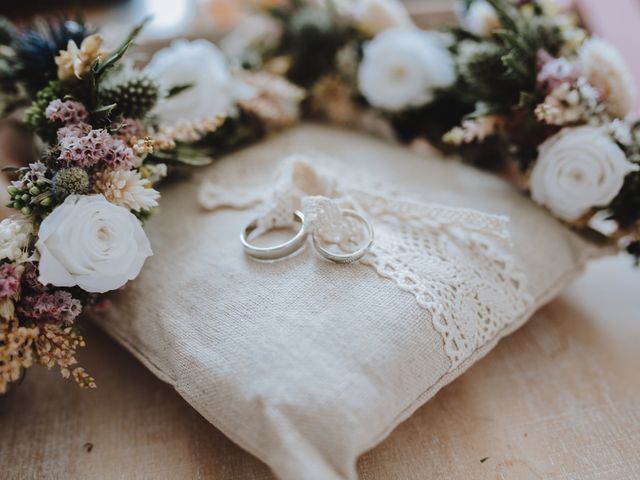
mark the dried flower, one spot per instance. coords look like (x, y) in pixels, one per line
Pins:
(154, 173)
(186, 131)
(16, 350)
(9, 280)
(472, 130)
(331, 98)
(57, 307)
(621, 131)
(570, 103)
(30, 278)
(127, 188)
(68, 112)
(56, 346)
(79, 148)
(76, 61)
(276, 102)
(605, 68)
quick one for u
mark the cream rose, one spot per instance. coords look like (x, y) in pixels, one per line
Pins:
(578, 169)
(203, 66)
(402, 68)
(91, 243)
(605, 68)
(374, 16)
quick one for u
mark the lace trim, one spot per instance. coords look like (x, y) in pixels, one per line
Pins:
(457, 263)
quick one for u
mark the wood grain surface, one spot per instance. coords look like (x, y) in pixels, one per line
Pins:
(558, 400)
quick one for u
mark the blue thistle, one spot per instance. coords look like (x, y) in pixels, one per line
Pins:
(37, 46)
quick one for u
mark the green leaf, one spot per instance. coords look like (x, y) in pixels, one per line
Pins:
(99, 69)
(177, 89)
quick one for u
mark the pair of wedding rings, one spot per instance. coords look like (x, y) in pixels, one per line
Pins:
(298, 240)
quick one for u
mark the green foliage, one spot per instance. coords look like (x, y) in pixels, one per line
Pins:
(101, 68)
(34, 115)
(625, 208)
(32, 199)
(634, 249)
(312, 38)
(481, 69)
(501, 72)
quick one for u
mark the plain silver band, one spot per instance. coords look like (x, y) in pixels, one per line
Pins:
(346, 257)
(278, 251)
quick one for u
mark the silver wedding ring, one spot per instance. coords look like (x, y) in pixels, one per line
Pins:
(349, 257)
(278, 251)
(298, 240)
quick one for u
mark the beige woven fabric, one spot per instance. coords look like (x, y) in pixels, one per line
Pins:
(305, 363)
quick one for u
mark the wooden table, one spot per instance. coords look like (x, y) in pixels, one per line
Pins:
(558, 400)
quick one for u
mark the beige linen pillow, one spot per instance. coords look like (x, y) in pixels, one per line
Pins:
(302, 362)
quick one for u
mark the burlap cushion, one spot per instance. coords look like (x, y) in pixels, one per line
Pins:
(305, 363)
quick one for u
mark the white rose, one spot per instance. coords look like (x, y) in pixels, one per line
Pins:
(203, 66)
(92, 243)
(578, 169)
(402, 67)
(374, 16)
(605, 68)
(480, 19)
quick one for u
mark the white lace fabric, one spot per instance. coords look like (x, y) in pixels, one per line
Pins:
(457, 263)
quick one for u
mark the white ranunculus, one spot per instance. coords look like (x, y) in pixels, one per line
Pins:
(605, 68)
(374, 16)
(90, 242)
(578, 169)
(480, 19)
(203, 66)
(402, 68)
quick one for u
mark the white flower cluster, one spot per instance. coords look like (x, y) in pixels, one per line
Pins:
(201, 65)
(15, 236)
(404, 67)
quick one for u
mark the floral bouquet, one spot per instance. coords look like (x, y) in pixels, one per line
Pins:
(108, 133)
(518, 88)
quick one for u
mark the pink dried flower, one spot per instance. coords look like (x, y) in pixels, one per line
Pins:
(84, 149)
(77, 130)
(130, 128)
(57, 307)
(553, 72)
(119, 156)
(9, 280)
(30, 278)
(68, 112)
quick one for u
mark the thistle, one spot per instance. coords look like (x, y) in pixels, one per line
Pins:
(134, 98)
(70, 181)
(37, 47)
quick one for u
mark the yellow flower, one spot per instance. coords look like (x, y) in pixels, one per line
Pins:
(76, 61)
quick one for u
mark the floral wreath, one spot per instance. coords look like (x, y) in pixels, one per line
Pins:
(519, 88)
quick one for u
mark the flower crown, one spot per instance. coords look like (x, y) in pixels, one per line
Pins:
(518, 89)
